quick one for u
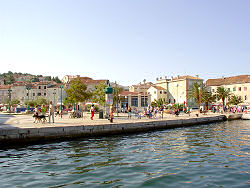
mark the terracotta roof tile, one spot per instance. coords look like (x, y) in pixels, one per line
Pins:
(187, 77)
(228, 80)
(159, 87)
(126, 93)
(5, 86)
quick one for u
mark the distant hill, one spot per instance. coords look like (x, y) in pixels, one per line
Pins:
(10, 78)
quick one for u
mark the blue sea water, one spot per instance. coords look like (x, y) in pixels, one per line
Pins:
(212, 155)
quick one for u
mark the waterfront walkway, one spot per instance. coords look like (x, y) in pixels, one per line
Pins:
(20, 129)
(26, 121)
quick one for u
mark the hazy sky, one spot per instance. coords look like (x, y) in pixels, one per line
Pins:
(125, 40)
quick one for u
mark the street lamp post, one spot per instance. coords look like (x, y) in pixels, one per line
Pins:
(9, 90)
(28, 89)
(54, 92)
(144, 81)
(61, 87)
(177, 85)
(199, 98)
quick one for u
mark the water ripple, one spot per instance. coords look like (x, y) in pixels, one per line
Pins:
(214, 155)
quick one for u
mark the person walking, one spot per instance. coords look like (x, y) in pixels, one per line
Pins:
(111, 113)
(129, 112)
(51, 112)
(92, 111)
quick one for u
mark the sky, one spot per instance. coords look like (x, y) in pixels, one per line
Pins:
(125, 40)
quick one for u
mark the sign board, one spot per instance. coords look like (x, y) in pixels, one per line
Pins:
(109, 99)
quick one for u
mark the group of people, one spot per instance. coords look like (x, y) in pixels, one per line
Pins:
(41, 111)
(111, 113)
(149, 112)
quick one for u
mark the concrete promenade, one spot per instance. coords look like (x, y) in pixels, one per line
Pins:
(18, 129)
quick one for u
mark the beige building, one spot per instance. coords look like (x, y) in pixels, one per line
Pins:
(4, 93)
(48, 90)
(237, 85)
(178, 88)
(67, 78)
(158, 92)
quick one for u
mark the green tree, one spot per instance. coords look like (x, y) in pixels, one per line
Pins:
(222, 94)
(77, 91)
(31, 103)
(207, 97)
(14, 102)
(41, 100)
(68, 101)
(98, 94)
(157, 103)
(47, 78)
(116, 94)
(195, 93)
(235, 100)
(35, 79)
(57, 80)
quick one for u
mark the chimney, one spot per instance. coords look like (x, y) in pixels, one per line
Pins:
(157, 79)
(178, 76)
(172, 78)
(166, 77)
(197, 76)
(223, 77)
(160, 78)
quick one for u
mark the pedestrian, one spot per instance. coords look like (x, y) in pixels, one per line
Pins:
(161, 111)
(129, 112)
(111, 113)
(51, 112)
(92, 111)
(44, 109)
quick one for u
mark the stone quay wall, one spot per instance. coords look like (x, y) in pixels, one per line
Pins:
(16, 136)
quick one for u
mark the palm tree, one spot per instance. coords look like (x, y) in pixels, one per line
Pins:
(195, 93)
(235, 100)
(222, 94)
(207, 97)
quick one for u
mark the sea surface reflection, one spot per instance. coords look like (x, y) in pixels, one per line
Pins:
(213, 155)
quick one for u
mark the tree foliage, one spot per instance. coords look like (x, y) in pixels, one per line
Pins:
(207, 97)
(222, 94)
(195, 93)
(57, 80)
(116, 94)
(77, 91)
(38, 101)
(235, 100)
(41, 100)
(157, 103)
(98, 94)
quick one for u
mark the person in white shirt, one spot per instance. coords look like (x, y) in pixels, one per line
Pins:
(51, 112)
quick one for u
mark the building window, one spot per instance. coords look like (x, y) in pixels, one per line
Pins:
(245, 97)
(212, 90)
(134, 101)
(44, 94)
(155, 92)
(34, 94)
(160, 92)
(142, 102)
(165, 92)
(228, 89)
(27, 94)
(234, 89)
(239, 88)
(39, 87)
(245, 88)
(39, 94)
(44, 87)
